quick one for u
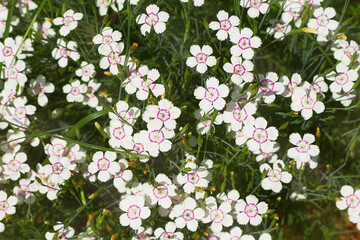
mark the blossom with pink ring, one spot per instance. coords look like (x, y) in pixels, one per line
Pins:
(137, 74)
(168, 233)
(238, 116)
(345, 51)
(343, 79)
(14, 165)
(125, 114)
(187, 214)
(225, 26)
(218, 216)
(261, 137)
(59, 170)
(269, 87)
(19, 112)
(304, 149)
(163, 114)
(14, 73)
(123, 176)
(75, 91)
(115, 5)
(62, 233)
(153, 19)
(45, 29)
(25, 191)
(64, 51)
(201, 58)
(350, 199)
(112, 58)
(38, 87)
(147, 85)
(119, 133)
(8, 50)
(240, 70)
(290, 84)
(275, 176)
(86, 71)
(245, 42)
(306, 102)
(107, 39)
(236, 234)
(278, 28)
(135, 211)
(204, 126)
(212, 96)
(250, 211)
(104, 164)
(68, 22)
(196, 177)
(7, 204)
(323, 22)
(292, 12)
(161, 193)
(255, 7)
(158, 139)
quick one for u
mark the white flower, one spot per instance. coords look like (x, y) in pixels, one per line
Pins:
(39, 87)
(304, 149)
(241, 70)
(232, 197)
(25, 5)
(218, 216)
(19, 112)
(236, 233)
(323, 22)
(292, 12)
(62, 233)
(56, 148)
(162, 192)
(8, 50)
(238, 116)
(262, 137)
(163, 114)
(250, 210)
(123, 176)
(75, 91)
(59, 170)
(313, 3)
(168, 233)
(306, 102)
(212, 96)
(158, 139)
(135, 211)
(89, 96)
(119, 133)
(345, 98)
(45, 29)
(196, 177)
(65, 51)
(255, 7)
(107, 40)
(350, 199)
(103, 5)
(274, 176)
(245, 42)
(112, 59)
(14, 165)
(204, 126)
(269, 87)
(86, 71)
(12, 142)
(14, 73)
(265, 236)
(153, 18)
(278, 29)
(130, 83)
(290, 85)
(187, 214)
(318, 85)
(68, 22)
(225, 25)
(104, 164)
(139, 145)
(201, 58)
(124, 113)
(240, 137)
(343, 79)
(7, 204)
(197, 3)
(346, 51)
(146, 85)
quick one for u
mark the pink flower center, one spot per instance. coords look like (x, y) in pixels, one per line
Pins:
(255, 3)
(114, 58)
(304, 3)
(58, 150)
(163, 115)
(152, 19)
(124, 115)
(303, 146)
(14, 165)
(193, 178)
(291, 86)
(240, 115)
(107, 40)
(188, 215)
(4, 205)
(201, 57)
(260, 135)
(267, 85)
(341, 78)
(12, 72)
(138, 148)
(67, 20)
(239, 69)
(323, 20)
(7, 51)
(156, 136)
(57, 168)
(20, 113)
(217, 216)
(251, 210)
(349, 51)
(103, 164)
(65, 53)
(168, 235)
(107, 3)
(352, 201)
(307, 102)
(274, 175)
(75, 91)
(160, 191)
(24, 190)
(85, 71)
(212, 94)
(225, 25)
(244, 43)
(119, 133)
(133, 212)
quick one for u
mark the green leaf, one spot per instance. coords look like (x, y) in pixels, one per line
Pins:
(284, 125)
(206, 24)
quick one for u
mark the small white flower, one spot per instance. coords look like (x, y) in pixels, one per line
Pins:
(63, 233)
(89, 97)
(119, 133)
(8, 50)
(65, 51)
(59, 170)
(225, 25)
(350, 199)
(187, 214)
(269, 87)
(104, 164)
(236, 233)
(250, 211)
(75, 91)
(240, 69)
(196, 177)
(153, 18)
(238, 116)
(14, 165)
(86, 71)
(262, 137)
(306, 101)
(68, 22)
(265, 236)
(343, 79)
(255, 7)
(292, 12)
(39, 87)
(168, 233)
(123, 176)
(323, 22)
(346, 51)
(158, 139)
(14, 73)
(197, 3)
(201, 58)
(45, 29)
(135, 78)
(124, 113)
(275, 176)
(104, 5)
(18, 113)
(218, 216)
(7, 204)
(163, 114)
(304, 149)
(278, 29)
(135, 211)
(204, 126)
(245, 42)
(290, 85)
(345, 98)
(212, 96)
(107, 40)
(25, 5)
(147, 85)
(113, 58)
(162, 192)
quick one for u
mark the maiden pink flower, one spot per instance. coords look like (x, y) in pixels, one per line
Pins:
(14, 165)
(236, 234)
(45, 29)
(135, 211)
(147, 85)
(59, 170)
(104, 5)
(323, 22)
(8, 50)
(168, 233)
(275, 176)
(304, 149)
(119, 133)
(240, 69)
(161, 193)
(113, 58)
(123, 176)
(197, 3)
(218, 216)
(18, 113)
(75, 91)
(201, 58)
(153, 18)
(225, 25)
(250, 211)
(62, 233)
(196, 177)
(107, 40)
(65, 51)
(245, 42)
(346, 51)
(238, 116)
(7, 204)
(104, 164)
(306, 102)
(255, 7)
(290, 85)
(68, 22)
(39, 87)
(86, 71)
(212, 96)
(124, 113)
(343, 79)
(350, 199)
(269, 87)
